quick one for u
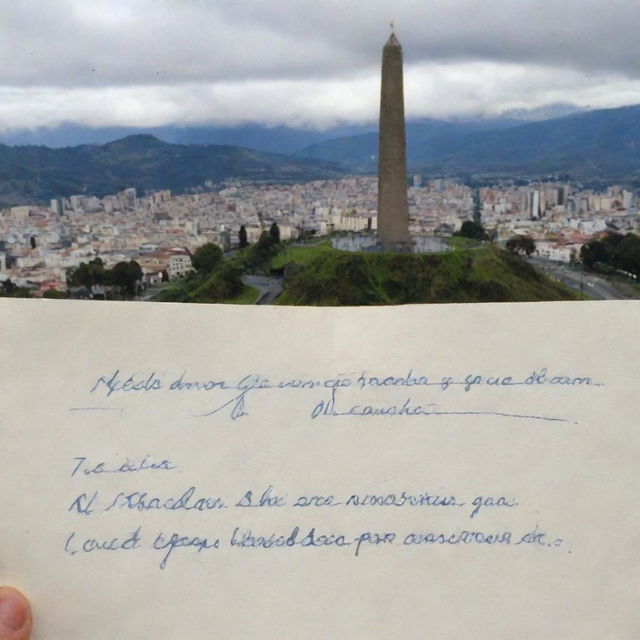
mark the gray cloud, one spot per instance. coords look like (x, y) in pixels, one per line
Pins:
(300, 61)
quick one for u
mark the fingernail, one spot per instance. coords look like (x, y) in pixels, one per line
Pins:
(13, 612)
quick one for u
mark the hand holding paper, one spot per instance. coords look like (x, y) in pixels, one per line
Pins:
(15, 615)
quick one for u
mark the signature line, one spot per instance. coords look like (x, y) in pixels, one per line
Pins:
(95, 409)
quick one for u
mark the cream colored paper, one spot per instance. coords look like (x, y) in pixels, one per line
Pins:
(495, 499)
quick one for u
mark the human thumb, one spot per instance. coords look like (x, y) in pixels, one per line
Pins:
(15, 615)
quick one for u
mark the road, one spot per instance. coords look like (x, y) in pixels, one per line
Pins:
(591, 285)
(270, 288)
(149, 293)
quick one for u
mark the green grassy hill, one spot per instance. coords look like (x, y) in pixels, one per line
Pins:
(487, 274)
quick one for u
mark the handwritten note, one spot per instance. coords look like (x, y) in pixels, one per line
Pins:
(178, 471)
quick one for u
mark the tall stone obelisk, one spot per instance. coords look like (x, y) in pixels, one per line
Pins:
(393, 209)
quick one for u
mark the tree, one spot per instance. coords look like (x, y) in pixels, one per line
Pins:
(592, 252)
(242, 237)
(227, 282)
(613, 251)
(477, 206)
(87, 274)
(260, 254)
(206, 258)
(521, 244)
(126, 276)
(472, 229)
(274, 232)
(627, 254)
(55, 294)
(9, 289)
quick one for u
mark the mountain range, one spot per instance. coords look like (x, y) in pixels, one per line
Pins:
(591, 146)
(272, 139)
(263, 137)
(34, 174)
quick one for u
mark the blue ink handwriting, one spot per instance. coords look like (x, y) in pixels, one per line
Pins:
(308, 538)
(176, 541)
(87, 545)
(329, 408)
(240, 390)
(142, 501)
(267, 499)
(128, 466)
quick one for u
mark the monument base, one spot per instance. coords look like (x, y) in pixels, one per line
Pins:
(370, 243)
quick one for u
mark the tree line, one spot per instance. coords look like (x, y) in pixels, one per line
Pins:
(124, 277)
(613, 252)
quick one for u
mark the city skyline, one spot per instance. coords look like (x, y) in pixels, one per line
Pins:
(155, 228)
(141, 63)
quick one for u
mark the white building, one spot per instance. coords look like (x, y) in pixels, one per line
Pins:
(179, 265)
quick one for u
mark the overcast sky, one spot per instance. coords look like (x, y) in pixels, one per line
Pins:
(307, 62)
